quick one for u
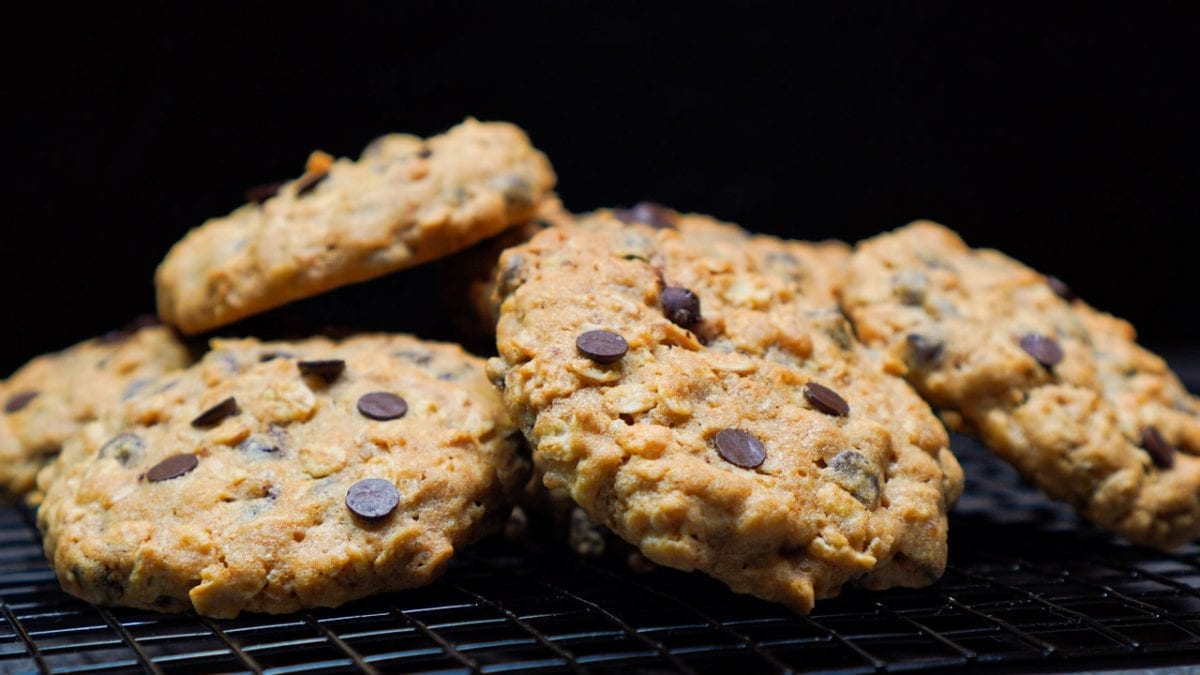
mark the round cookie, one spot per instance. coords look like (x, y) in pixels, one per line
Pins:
(271, 477)
(670, 372)
(1055, 387)
(404, 202)
(50, 398)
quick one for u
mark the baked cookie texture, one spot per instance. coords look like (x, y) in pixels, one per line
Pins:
(1060, 390)
(50, 398)
(404, 202)
(243, 482)
(699, 443)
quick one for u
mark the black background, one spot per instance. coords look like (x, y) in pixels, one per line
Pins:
(1063, 134)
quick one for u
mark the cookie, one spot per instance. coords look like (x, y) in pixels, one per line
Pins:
(50, 398)
(696, 390)
(271, 477)
(404, 202)
(1060, 390)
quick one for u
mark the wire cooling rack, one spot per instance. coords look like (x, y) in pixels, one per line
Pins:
(1028, 589)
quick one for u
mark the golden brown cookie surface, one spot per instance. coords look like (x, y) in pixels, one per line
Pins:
(1055, 387)
(50, 398)
(276, 476)
(668, 373)
(405, 201)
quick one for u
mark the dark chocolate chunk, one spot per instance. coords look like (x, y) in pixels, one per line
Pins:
(381, 405)
(826, 400)
(740, 448)
(328, 370)
(172, 467)
(648, 213)
(213, 416)
(855, 474)
(602, 346)
(126, 448)
(19, 400)
(1160, 450)
(372, 498)
(681, 306)
(925, 351)
(261, 193)
(1043, 349)
(309, 182)
(1060, 288)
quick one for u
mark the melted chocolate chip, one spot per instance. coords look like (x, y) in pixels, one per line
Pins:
(648, 213)
(310, 182)
(826, 400)
(681, 306)
(328, 370)
(602, 346)
(740, 448)
(214, 415)
(261, 193)
(1060, 288)
(381, 405)
(172, 467)
(1160, 450)
(372, 498)
(126, 448)
(1044, 350)
(925, 351)
(855, 474)
(19, 400)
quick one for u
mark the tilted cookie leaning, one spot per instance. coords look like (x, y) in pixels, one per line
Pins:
(276, 476)
(1055, 387)
(50, 398)
(696, 390)
(404, 202)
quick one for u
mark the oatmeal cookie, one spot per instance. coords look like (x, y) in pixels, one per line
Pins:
(404, 202)
(1054, 386)
(271, 477)
(695, 389)
(50, 398)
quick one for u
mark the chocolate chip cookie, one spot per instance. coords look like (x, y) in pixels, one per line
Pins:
(50, 398)
(1055, 387)
(271, 477)
(404, 202)
(696, 389)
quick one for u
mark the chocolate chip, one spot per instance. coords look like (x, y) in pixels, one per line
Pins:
(855, 474)
(602, 346)
(826, 400)
(271, 356)
(258, 446)
(910, 286)
(648, 213)
(510, 277)
(261, 193)
(214, 415)
(681, 306)
(1044, 350)
(425, 153)
(1160, 450)
(126, 448)
(518, 193)
(1060, 288)
(310, 182)
(328, 370)
(372, 498)
(740, 448)
(421, 358)
(19, 400)
(381, 405)
(172, 467)
(925, 350)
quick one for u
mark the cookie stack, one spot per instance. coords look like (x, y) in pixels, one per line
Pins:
(754, 408)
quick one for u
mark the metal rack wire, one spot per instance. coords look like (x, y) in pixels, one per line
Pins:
(1029, 589)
